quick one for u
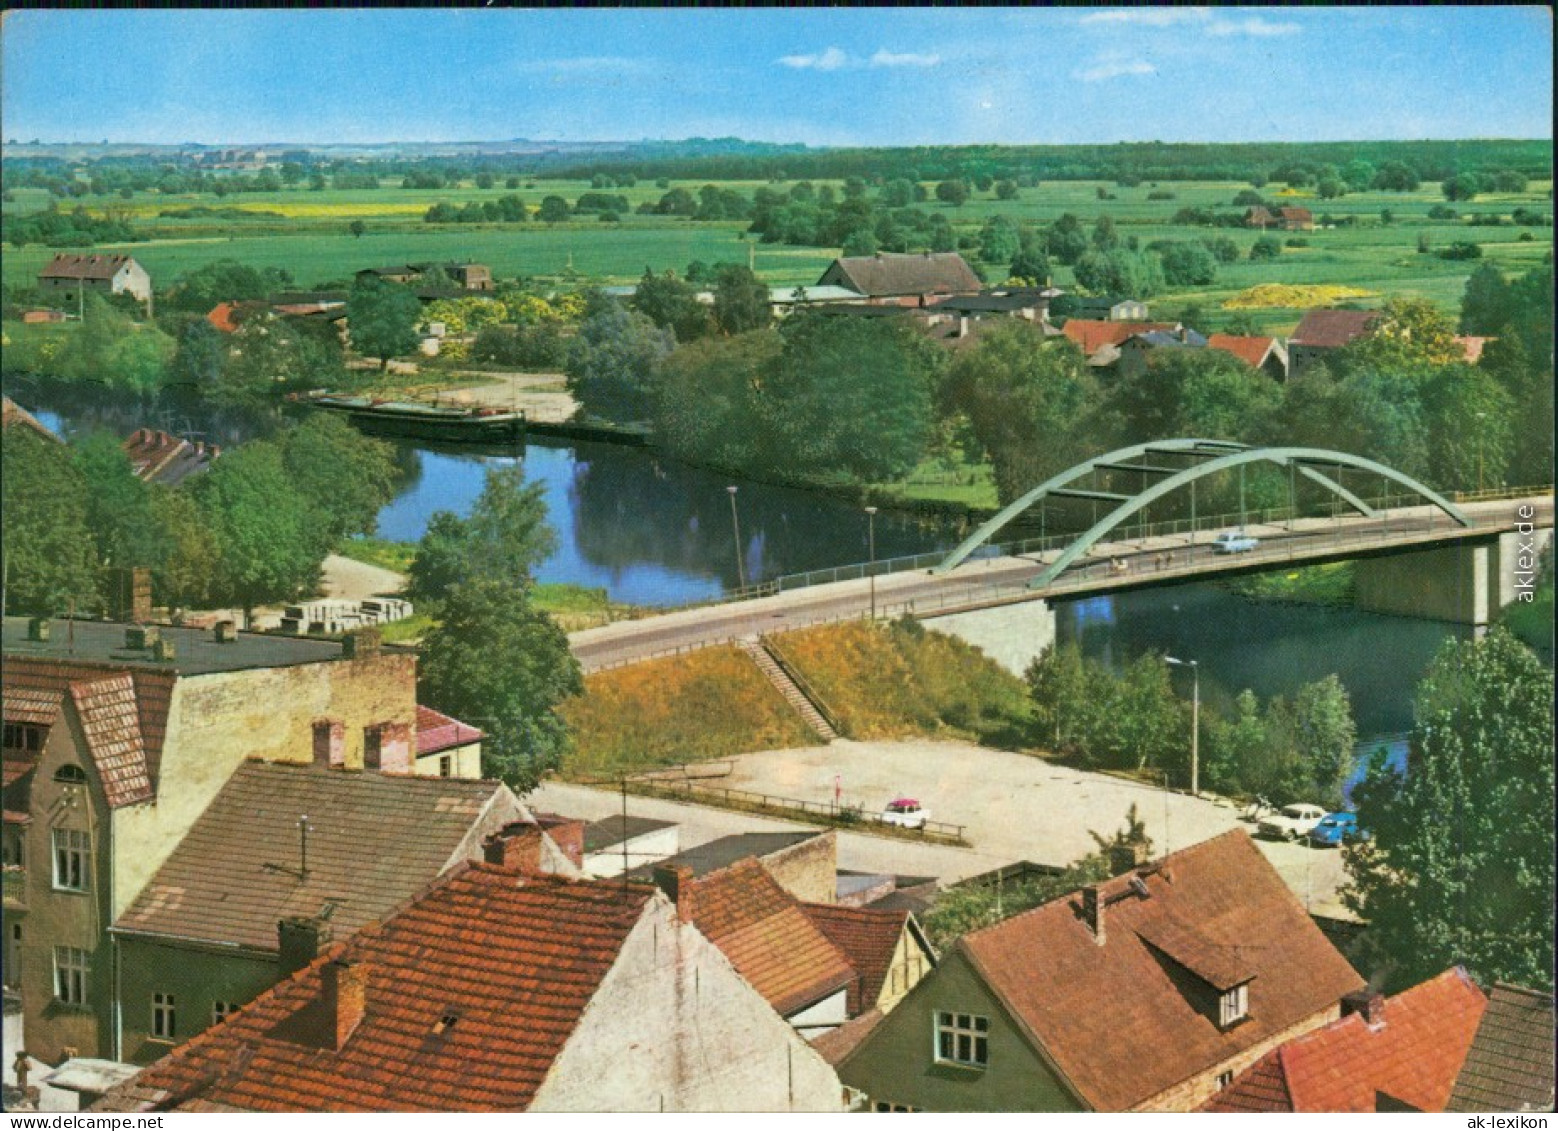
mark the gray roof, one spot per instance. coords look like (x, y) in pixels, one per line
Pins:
(610, 831)
(991, 303)
(196, 651)
(1510, 1064)
(374, 841)
(727, 850)
(1166, 339)
(883, 275)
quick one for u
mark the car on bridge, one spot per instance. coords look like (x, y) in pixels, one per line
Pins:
(1291, 822)
(1234, 542)
(1336, 829)
(906, 813)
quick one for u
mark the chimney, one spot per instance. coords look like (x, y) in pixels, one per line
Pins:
(299, 939)
(329, 742)
(1093, 910)
(226, 632)
(1126, 857)
(361, 644)
(344, 991)
(1369, 1003)
(676, 881)
(516, 846)
(394, 749)
(162, 649)
(567, 834)
(38, 629)
(140, 636)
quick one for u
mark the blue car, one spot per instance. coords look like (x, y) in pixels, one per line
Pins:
(1335, 829)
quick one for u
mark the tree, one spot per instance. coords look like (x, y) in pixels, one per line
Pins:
(953, 192)
(740, 300)
(1463, 186)
(1130, 274)
(1188, 264)
(1396, 176)
(346, 477)
(1330, 188)
(382, 318)
(998, 240)
(1471, 421)
(897, 194)
(707, 404)
(118, 504)
(260, 523)
(45, 540)
(1006, 190)
(1408, 332)
(1485, 304)
(1460, 868)
(1266, 248)
(505, 537)
(671, 304)
(553, 209)
(859, 244)
(223, 280)
(494, 658)
(184, 567)
(614, 360)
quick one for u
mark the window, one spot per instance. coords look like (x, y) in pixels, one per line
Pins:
(962, 1038)
(446, 766)
(1224, 1079)
(888, 1105)
(70, 775)
(72, 975)
(222, 1010)
(20, 736)
(1235, 1005)
(164, 1018)
(372, 745)
(72, 857)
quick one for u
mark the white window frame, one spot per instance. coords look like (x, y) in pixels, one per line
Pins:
(966, 1037)
(72, 975)
(164, 1017)
(446, 765)
(1234, 1005)
(72, 860)
(222, 1010)
(1224, 1079)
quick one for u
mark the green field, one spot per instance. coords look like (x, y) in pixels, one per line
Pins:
(310, 239)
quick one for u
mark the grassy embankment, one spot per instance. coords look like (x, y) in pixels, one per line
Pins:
(1329, 584)
(713, 703)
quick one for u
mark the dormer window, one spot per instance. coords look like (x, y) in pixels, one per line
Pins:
(69, 774)
(1234, 1005)
(23, 737)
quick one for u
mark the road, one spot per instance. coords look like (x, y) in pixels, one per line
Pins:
(1111, 566)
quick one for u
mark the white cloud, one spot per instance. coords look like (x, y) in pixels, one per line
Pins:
(885, 58)
(1105, 71)
(830, 60)
(1253, 25)
(1147, 17)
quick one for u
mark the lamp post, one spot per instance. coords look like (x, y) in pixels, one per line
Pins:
(1195, 721)
(871, 569)
(735, 526)
(1481, 416)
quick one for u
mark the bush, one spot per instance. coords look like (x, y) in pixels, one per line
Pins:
(1461, 249)
(1266, 248)
(1297, 241)
(1160, 194)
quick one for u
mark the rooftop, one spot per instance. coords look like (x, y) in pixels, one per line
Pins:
(609, 831)
(1248, 348)
(374, 840)
(1129, 1014)
(1409, 1056)
(82, 642)
(887, 275)
(868, 937)
(437, 731)
(1331, 329)
(1510, 1065)
(471, 993)
(84, 266)
(1091, 335)
(728, 850)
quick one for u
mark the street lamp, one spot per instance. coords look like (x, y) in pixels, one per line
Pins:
(1481, 416)
(871, 569)
(1195, 721)
(735, 526)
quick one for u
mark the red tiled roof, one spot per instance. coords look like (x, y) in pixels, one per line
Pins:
(221, 316)
(1091, 335)
(1472, 347)
(153, 692)
(1295, 214)
(36, 707)
(513, 962)
(1331, 329)
(1413, 1057)
(836, 1044)
(1250, 349)
(770, 941)
(1116, 1018)
(111, 722)
(437, 731)
(84, 266)
(15, 767)
(867, 937)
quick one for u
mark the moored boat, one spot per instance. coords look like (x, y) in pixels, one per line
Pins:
(467, 425)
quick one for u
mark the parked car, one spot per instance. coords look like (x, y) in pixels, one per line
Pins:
(1337, 829)
(906, 813)
(1291, 822)
(1234, 542)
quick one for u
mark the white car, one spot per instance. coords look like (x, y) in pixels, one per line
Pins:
(906, 813)
(1234, 542)
(1291, 822)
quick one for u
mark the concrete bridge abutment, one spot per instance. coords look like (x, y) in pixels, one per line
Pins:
(1012, 635)
(1464, 584)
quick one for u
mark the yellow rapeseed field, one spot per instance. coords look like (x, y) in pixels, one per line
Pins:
(1298, 296)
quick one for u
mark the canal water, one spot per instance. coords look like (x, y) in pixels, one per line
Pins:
(651, 531)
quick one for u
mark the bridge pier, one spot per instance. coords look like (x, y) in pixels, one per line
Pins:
(1465, 584)
(1011, 635)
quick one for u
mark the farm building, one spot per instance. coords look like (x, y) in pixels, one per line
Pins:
(72, 276)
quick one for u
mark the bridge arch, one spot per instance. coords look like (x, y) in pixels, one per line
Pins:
(1214, 456)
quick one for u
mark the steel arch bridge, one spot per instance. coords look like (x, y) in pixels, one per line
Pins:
(1196, 459)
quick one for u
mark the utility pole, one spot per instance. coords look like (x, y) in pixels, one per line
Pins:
(1195, 721)
(871, 569)
(735, 526)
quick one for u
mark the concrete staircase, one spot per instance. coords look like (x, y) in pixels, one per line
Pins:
(793, 695)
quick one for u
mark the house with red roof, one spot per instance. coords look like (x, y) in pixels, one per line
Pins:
(903, 280)
(1401, 1053)
(1100, 341)
(446, 747)
(1145, 992)
(496, 990)
(1322, 332)
(1255, 350)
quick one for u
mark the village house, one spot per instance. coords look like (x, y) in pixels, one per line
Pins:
(469, 276)
(285, 860)
(902, 280)
(1147, 992)
(158, 457)
(1258, 352)
(501, 991)
(617, 844)
(1100, 341)
(1283, 219)
(1136, 348)
(446, 747)
(1107, 308)
(1385, 1054)
(958, 319)
(69, 277)
(1322, 332)
(117, 738)
(1510, 1064)
(804, 863)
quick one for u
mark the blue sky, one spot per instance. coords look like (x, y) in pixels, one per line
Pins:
(822, 77)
